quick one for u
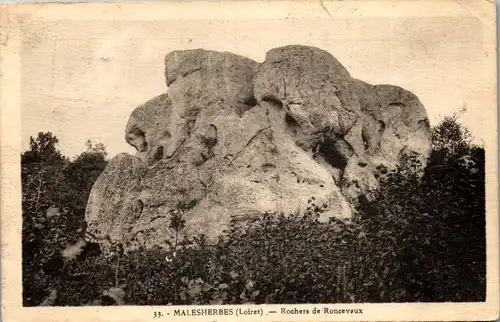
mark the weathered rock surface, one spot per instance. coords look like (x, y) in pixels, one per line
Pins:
(233, 138)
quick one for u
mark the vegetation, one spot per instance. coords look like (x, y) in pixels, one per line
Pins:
(55, 190)
(422, 239)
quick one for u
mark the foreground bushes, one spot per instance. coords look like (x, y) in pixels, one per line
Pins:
(422, 239)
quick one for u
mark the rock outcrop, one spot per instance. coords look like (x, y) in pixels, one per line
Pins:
(233, 138)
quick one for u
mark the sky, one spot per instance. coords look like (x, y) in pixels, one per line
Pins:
(81, 77)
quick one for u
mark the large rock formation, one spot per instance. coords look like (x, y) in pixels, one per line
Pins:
(233, 138)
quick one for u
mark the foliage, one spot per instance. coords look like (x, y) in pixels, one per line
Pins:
(55, 190)
(42, 150)
(437, 228)
(451, 138)
(421, 239)
(79, 176)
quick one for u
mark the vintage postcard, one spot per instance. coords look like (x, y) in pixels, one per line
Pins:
(249, 160)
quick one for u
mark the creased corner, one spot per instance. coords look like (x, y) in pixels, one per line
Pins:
(479, 12)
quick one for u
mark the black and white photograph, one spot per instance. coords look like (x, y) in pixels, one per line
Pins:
(285, 156)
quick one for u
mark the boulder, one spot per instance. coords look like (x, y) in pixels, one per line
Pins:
(233, 138)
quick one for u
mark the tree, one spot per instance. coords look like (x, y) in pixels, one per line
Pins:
(97, 149)
(43, 149)
(450, 137)
(40, 171)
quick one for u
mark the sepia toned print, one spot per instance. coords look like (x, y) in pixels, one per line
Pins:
(279, 160)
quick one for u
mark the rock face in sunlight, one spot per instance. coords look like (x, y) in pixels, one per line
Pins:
(233, 138)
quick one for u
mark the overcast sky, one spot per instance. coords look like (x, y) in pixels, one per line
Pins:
(81, 79)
